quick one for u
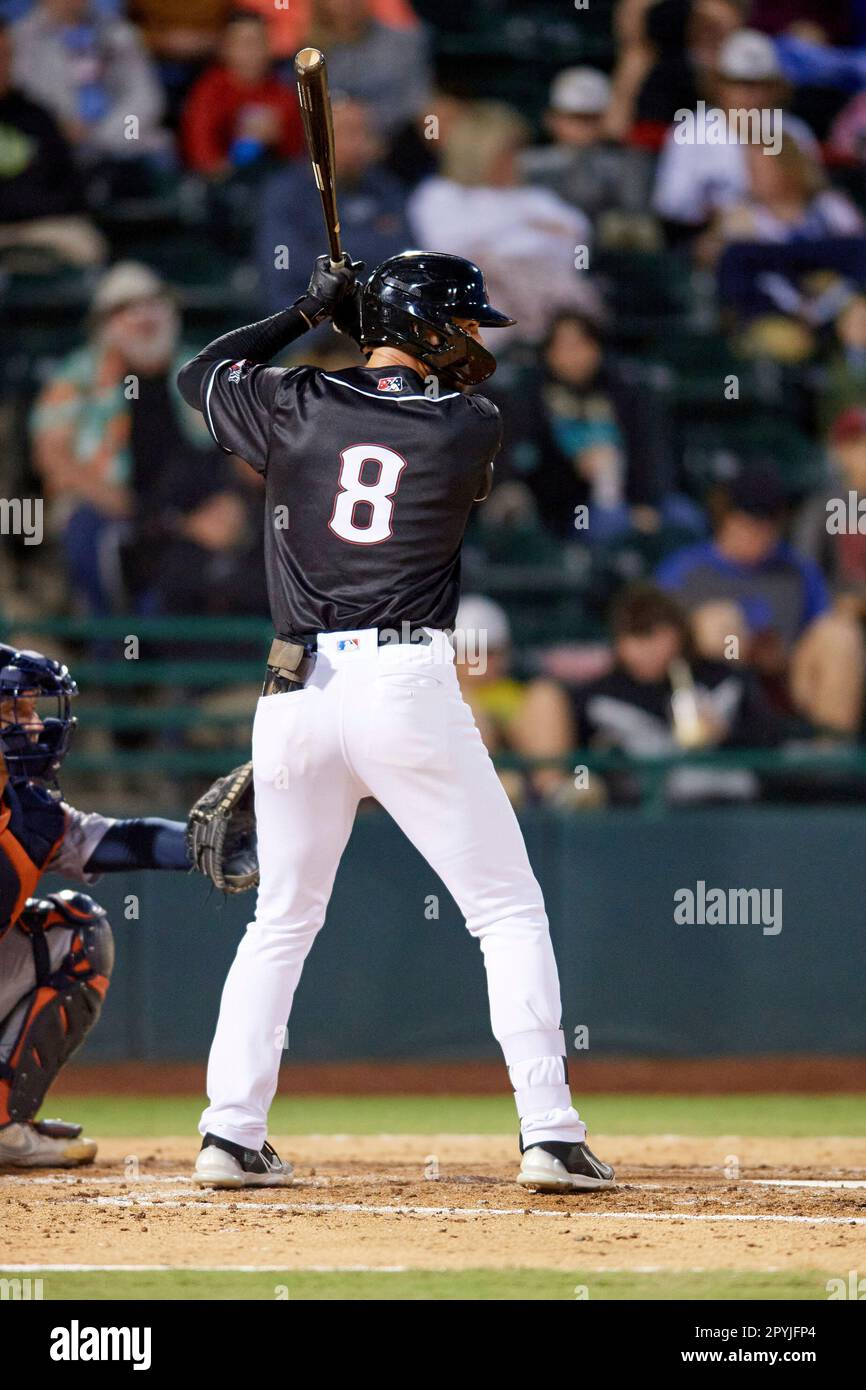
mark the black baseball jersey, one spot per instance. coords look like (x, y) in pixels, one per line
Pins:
(370, 483)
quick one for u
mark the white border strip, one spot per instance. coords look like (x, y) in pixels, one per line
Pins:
(383, 395)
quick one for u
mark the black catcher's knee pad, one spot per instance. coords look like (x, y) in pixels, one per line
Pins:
(93, 942)
(66, 1002)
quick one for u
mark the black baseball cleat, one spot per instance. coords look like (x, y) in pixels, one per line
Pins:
(223, 1164)
(563, 1168)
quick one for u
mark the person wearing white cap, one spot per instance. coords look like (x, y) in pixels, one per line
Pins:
(512, 716)
(579, 164)
(703, 167)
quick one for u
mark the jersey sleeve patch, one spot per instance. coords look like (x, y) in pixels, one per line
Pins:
(238, 403)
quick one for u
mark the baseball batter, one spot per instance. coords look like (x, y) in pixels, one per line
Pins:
(371, 475)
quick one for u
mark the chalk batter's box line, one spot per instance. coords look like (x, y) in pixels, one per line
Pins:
(362, 1209)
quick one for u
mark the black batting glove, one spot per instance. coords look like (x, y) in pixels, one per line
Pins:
(347, 315)
(329, 288)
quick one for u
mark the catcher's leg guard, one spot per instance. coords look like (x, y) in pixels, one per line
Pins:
(73, 956)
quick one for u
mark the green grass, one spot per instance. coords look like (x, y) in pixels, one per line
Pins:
(434, 1285)
(767, 1115)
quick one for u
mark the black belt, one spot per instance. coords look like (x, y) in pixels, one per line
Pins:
(291, 660)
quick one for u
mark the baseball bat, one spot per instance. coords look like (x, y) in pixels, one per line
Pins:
(318, 121)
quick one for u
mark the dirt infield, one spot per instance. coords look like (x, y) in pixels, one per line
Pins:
(686, 1075)
(450, 1202)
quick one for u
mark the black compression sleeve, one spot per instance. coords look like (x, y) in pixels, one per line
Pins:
(257, 342)
(150, 843)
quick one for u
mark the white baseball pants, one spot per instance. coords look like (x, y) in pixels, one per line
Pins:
(387, 722)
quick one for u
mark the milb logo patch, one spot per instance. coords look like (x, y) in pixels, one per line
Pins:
(236, 371)
(390, 383)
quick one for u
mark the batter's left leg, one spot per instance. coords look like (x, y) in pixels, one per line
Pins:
(423, 759)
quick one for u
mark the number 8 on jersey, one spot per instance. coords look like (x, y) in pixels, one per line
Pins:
(378, 496)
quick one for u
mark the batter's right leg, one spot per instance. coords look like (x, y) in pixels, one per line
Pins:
(305, 805)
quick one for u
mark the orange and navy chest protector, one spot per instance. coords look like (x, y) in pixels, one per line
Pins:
(56, 955)
(32, 823)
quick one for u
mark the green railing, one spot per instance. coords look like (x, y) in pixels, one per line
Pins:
(162, 698)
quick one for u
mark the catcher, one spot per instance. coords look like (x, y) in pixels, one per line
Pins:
(57, 951)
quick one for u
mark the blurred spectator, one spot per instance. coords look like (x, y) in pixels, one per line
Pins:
(812, 62)
(41, 199)
(842, 378)
(848, 133)
(748, 583)
(670, 82)
(239, 113)
(820, 67)
(662, 697)
(511, 715)
(386, 68)
(413, 149)
(789, 226)
(712, 22)
(815, 19)
(289, 24)
(590, 432)
(788, 199)
(372, 210)
(183, 34)
(93, 74)
(116, 445)
(526, 238)
(195, 544)
(663, 52)
(705, 169)
(182, 40)
(581, 165)
(12, 10)
(840, 550)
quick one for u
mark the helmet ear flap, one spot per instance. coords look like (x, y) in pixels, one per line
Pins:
(455, 357)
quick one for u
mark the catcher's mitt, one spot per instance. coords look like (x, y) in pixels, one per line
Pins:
(221, 832)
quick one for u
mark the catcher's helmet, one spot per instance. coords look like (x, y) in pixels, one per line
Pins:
(420, 293)
(31, 754)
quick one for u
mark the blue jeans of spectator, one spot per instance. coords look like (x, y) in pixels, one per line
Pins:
(90, 547)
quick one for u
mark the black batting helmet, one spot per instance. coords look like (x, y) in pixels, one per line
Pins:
(411, 302)
(31, 752)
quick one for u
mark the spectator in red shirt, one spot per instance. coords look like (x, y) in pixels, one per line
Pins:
(239, 113)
